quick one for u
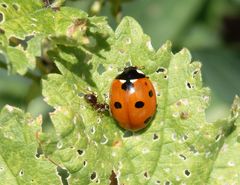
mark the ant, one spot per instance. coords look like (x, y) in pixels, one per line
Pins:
(92, 100)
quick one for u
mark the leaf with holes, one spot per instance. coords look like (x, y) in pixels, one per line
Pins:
(20, 163)
(179, 147)
(25, 27)
(226, 167)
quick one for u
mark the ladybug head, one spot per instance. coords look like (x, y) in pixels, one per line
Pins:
(130, 73)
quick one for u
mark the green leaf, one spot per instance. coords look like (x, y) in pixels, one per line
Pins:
(26, 25)
(179, 146)
(20, 162)
(227, 165)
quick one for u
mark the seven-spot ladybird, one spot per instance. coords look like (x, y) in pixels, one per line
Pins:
(132, 99)
(92, 100)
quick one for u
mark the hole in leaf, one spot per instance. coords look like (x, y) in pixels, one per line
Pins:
(4, 5)
(59, 145)
(63, 173)
(128, 41)
(1, 17)
(146, 175)
(155, 137)
(165, 77)
(195, 73)
(93, 176)
(183, 156)
(1, 168)
(189, 85)
(15, 6)
(231, 163)
(98, 181)
(113, 179)
(80, 152)
(160, 70)
(158, 182)
(185, 137)
(21, 173)
(84, 163)
(101, 69)
(167, 183)
(187, 173)
(93, 130)
(99, 120)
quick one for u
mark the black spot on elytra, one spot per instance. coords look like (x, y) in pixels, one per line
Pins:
(147, 120)
(150, 93)
(127, 85)
(117, 105)
(146, 83)
(139, 104)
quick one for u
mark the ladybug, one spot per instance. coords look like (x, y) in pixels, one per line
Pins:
(132, 99)
(92, 100)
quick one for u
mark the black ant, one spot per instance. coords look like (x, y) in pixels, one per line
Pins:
(92, 100)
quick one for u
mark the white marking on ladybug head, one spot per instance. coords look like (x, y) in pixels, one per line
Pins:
(140, 71)
(133, 80)
(122, 81)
